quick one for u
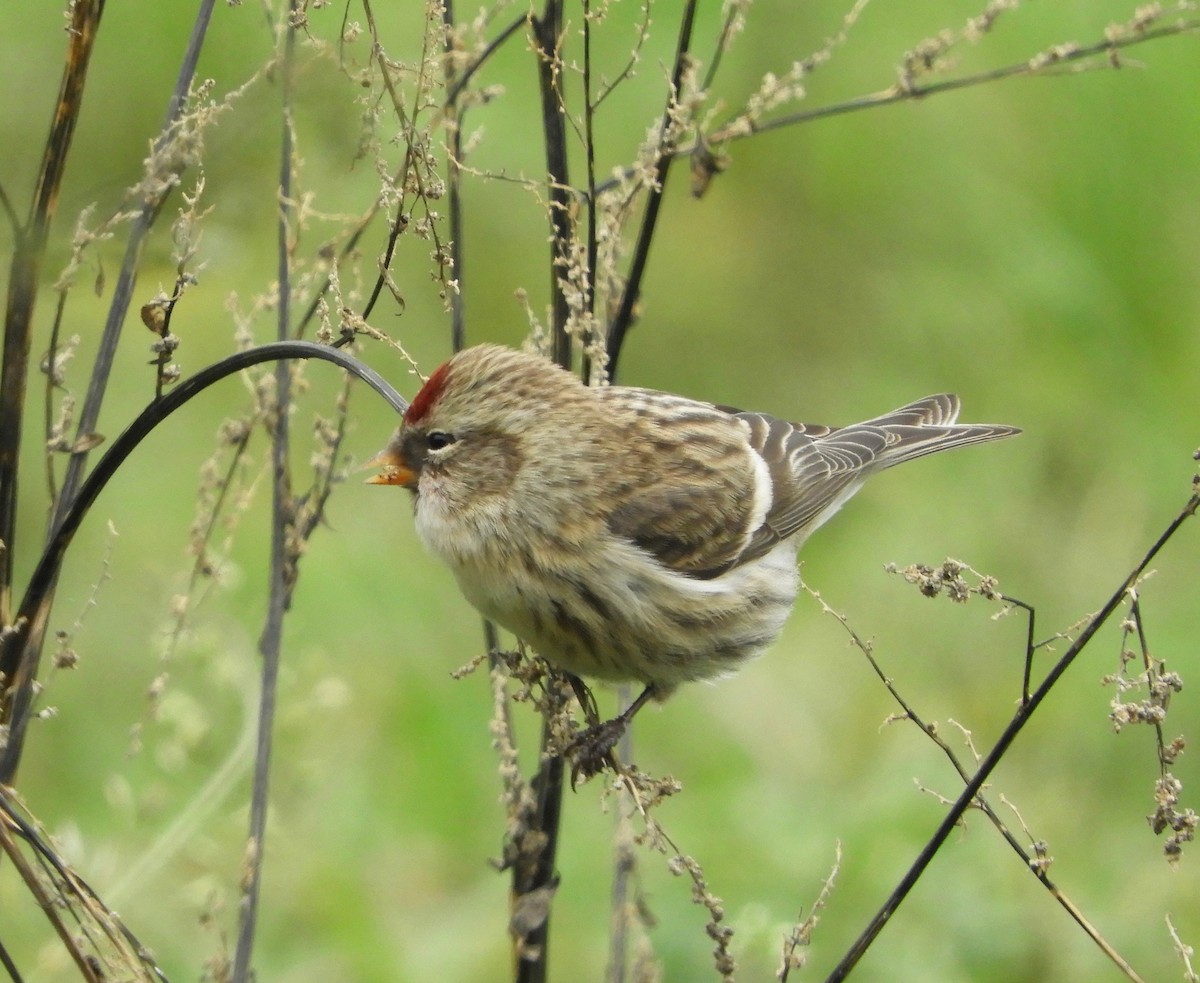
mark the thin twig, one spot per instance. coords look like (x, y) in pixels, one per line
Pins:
(1184, 952)
(461, 82)
(1031, 863)
(453, 117)
(1027, 675)
(74, 895)
(664, 156)
(1050, 62)
(89, 413)
(993, 758)
(801, 934)
(415, 155)
(1152, 670)
(722, 45)
(47, 902)
(549, 782)
(10, 967)
(282, 574)
(400, 224)
(26, 644)
(589, 148)
(657, 837)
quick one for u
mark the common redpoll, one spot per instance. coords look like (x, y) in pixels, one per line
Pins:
(628, 534)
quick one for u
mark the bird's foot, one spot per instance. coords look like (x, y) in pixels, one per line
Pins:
(592, 749)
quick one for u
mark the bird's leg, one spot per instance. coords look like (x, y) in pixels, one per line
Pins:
(591, 751)
(587, 702)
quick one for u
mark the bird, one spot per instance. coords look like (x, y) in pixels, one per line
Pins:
(626, 534)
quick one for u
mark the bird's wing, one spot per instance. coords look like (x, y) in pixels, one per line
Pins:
(687, 489)
(815, 469)
(684, 528)
(692, 494)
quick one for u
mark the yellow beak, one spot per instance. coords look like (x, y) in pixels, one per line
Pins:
(394, 470)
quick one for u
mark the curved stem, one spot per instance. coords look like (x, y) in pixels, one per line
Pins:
(18, 659)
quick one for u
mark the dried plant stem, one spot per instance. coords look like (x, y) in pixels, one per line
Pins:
(801, 934)
(14, 699)
(1030, 862)
(1135, 613)
(548, 783)
(971, 792)
(453, 117)
(548, 34)
(414, 163)
(59, 889)
(680, 864)
(624, 863)
(9, 966)
(623, 319)
(282, 566)
(533, 956)
(530, 955)
(589, 149)
(1052, 60)
(30, 244)
(1069, 57)
(1184, 952)
(89, 413)
(52, 356)
(48, 903)
(455, 89)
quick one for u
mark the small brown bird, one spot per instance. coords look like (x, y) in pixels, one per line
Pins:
(628, 534)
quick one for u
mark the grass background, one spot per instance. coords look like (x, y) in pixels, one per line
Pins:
(1031, 245)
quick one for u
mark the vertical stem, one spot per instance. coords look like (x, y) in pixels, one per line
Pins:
(26, 262)
(458, 331)
(547, 32)
(548, 783)
(624, 861)
(548, 786)
(589, 147)
(28, 253)
(282, 574)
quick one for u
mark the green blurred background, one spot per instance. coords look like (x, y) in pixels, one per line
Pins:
(1031, 245)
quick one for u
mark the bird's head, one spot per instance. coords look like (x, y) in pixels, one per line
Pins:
(475, 423)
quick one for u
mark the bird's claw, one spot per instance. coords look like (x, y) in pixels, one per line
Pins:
(591, 751)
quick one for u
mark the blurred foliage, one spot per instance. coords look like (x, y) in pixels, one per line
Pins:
(1030, 244)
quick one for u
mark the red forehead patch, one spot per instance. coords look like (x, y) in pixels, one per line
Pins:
(428, 394)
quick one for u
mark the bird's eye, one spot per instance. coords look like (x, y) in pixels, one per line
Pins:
(438, 439)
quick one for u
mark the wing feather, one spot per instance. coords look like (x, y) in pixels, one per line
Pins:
(687, 487)
(692, 495)
(815, 469)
